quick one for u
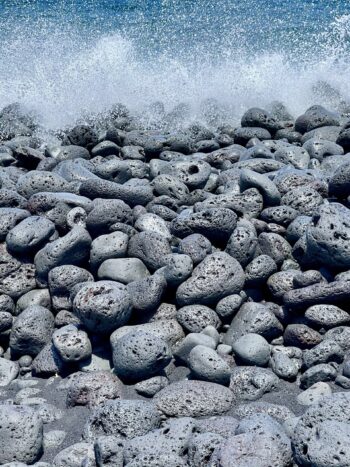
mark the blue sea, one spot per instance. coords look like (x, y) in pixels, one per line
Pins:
(65, 59)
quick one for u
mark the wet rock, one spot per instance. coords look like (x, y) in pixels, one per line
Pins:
(315, 117)
(243, 135)
(256, 117)
(83, 135)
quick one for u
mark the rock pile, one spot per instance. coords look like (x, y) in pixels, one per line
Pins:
(175, 298)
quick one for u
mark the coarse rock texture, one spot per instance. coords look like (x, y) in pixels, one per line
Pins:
(175, 294)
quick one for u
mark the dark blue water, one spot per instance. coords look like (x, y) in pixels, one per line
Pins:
(64, 58)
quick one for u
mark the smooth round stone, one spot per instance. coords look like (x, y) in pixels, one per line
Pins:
(252, 349)
(108, 246)
(139, 355)
(73, 248)
(30, 235)
(314, 393)
(207, 365)
(124, 270)
(33, 297)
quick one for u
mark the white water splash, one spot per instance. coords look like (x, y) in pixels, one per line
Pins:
(61, 75)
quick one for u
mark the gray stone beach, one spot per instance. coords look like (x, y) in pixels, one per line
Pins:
(175, 295)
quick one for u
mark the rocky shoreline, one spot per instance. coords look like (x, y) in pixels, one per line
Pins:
(175, 296)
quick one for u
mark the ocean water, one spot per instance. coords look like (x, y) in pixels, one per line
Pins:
(65, 59)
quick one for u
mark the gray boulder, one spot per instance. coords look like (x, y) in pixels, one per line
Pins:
(217, 276)
(193, 399)
(21, 434)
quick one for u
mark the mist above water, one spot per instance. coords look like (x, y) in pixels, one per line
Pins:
(65, 59)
